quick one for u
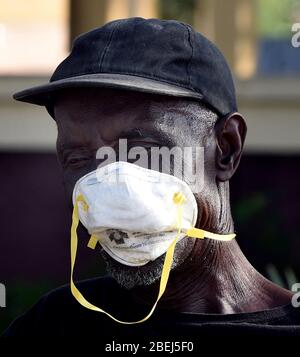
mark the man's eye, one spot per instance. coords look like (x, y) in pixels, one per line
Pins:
(143, 144)
(76, 161)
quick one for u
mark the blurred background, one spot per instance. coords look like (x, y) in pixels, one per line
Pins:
(255, 37)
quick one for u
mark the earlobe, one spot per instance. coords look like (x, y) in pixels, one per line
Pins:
(230, 137)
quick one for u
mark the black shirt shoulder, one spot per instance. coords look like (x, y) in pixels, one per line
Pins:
(59, 314)
(55, 309)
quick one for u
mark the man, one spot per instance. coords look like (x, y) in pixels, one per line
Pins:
(157, 84)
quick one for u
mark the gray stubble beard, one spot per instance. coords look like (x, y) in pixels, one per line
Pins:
(129, 277)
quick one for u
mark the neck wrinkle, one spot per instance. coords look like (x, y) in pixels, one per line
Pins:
(219, 280)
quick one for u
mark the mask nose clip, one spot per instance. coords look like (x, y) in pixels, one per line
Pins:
(178, 198)
(81, 199)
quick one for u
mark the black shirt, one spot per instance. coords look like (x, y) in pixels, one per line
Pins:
(59, 314)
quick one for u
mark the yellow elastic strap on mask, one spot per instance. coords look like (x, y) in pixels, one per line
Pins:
(178, 199)
(193, 232)
(200, 233)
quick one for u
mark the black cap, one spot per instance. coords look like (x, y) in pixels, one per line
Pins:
(148, 55)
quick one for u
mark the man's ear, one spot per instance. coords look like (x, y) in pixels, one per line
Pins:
(230, 136)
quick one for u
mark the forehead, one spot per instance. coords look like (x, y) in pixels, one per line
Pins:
(92, 102)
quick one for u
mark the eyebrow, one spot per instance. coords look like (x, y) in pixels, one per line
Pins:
(141, 133)
(130, 134)
(71, 146)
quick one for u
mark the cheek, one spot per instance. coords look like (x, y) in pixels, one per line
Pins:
(209, 164)
(183, 249)
(70, 177)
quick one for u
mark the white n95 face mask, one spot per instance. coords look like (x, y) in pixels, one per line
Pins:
(132, 212)
(136, 215)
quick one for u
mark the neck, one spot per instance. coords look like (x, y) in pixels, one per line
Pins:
(216, 277)
(219, 280)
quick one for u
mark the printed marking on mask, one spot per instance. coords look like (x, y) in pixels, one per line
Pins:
(151, 346)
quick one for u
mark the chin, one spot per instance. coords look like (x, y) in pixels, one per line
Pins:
(129, 277)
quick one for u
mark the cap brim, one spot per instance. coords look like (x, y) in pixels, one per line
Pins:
(41, 95)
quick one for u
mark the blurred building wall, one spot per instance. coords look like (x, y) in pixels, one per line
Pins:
(230, 24)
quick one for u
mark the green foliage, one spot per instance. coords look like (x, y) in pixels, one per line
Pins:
(245, 209)
(260, 225)
(181, 10)
(275, 17)
(286, 278)
(20, 297)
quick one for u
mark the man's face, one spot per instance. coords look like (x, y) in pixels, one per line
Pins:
(89, 119)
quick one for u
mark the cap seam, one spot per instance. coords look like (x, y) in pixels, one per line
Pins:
(107, 45)
(192, 54)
